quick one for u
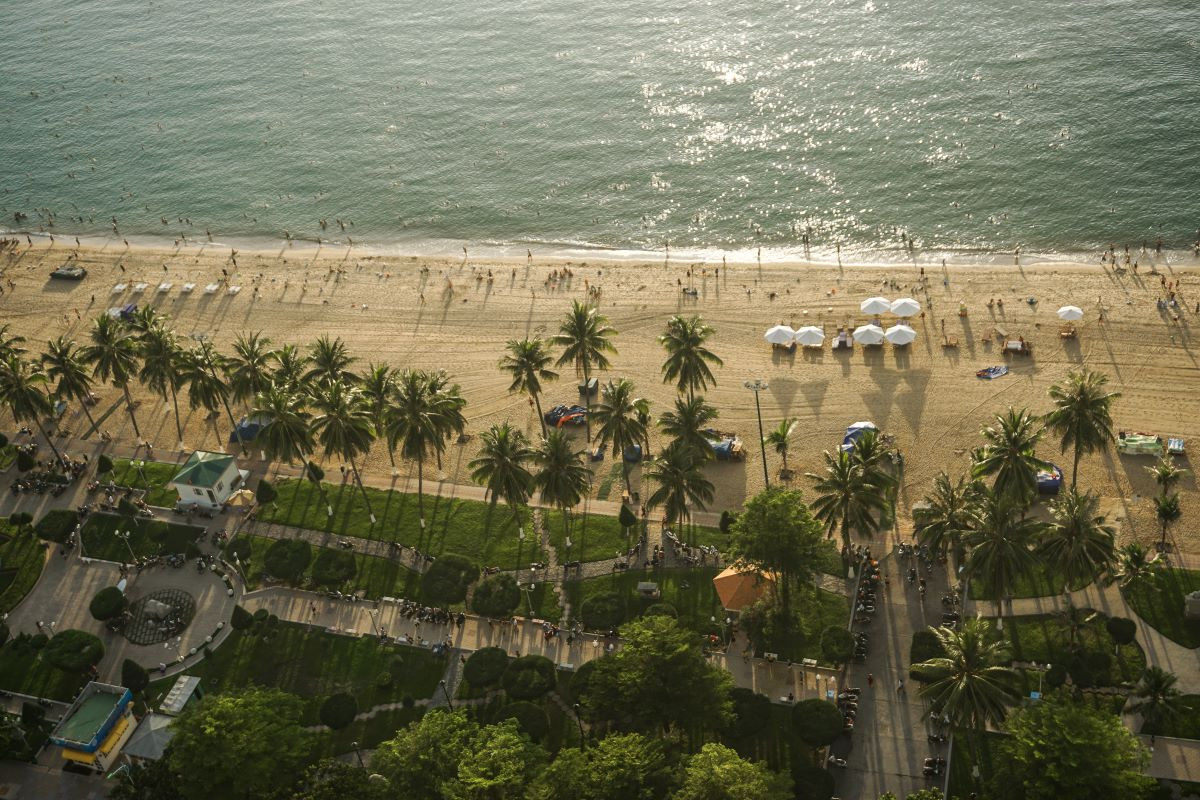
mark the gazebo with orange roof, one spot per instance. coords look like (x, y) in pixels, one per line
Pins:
(738, 587)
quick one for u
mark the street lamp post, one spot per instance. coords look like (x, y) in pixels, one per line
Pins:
(446, 692)
(124, 536)
(1042, 670)
(579, 722)
(758, 385)
(358, 753)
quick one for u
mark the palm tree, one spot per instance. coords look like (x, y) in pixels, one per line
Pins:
(972, 683)
(686, 425)
(562, 477)
(331, 360)
(1134, 566)
(287, 434)
(378, 385)
(1082, 414)
(23, 391)
(585, 337)
(10, 343)
(1075, 619)
(1167, 510)
(618, 420)
(681, 483)
(688, 359)
(946, 519)
(1156, 698)
(417, 422)
(113, 354)
(203, 369)
(1000, 543)
(163, 363)
(1166, 474)
(1010, 454)
(451, 421)
(780, 439)
(64, 365)
(1079, 542)
(290, 366)
(846, 500)
(502, 467)
(343, 427)
(143, 319)
(250, 367)
(528, 363)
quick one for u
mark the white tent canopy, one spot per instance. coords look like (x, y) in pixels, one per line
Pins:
(868, 334)
(810, 336)
(780, 334)
(900, 334)
(1070, 313)
(875, 305)
(905, 307)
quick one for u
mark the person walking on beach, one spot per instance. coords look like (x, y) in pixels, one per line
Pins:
(870, 680)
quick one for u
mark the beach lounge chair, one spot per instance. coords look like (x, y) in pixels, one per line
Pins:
(187, 288)
(1017, 346)
(1068, 332)
(843, 340)
(212, 288)
(119, 288)
(1175, 446)
(164, 287)
(232, 290)
(138, 288)
(949, 341)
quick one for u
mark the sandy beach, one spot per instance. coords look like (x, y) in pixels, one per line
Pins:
(457, 314)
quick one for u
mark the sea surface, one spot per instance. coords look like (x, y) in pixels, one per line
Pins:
(969, 125)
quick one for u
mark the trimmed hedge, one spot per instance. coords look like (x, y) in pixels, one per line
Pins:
(108, 603)
(446, 581)
(817, 722)
(751, 712)
(531, 719)
(496, 596)
(134, 677)
(529, 678)
(73, 651)
(57, 525)
(602, 611)
(287, 559)
(339, 710)
(837, 645)
(333, 567)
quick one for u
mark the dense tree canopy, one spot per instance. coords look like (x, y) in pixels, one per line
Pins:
(777, 534)
(718, 773)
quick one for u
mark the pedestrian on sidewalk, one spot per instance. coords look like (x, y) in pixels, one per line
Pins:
(870, 680)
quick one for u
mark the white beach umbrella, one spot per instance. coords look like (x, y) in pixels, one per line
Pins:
(1070, 313)
(875, 305)
(868, 334)
(810, 336)
(900, 334)
(905, 307)
(780, 334)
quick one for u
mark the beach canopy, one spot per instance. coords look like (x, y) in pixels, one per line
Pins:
(875, 305)
(780, 334)
(905, 307)
(900, 334)
(868, 334)
(737, 589)
(1070, 313)
(810, 336)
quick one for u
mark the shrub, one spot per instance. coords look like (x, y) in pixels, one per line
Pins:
(661, 610)
(38, 641)
(314, 472)
(333, 567)
(241, 547)
(528, 678)
(496, 596)
(339, 710)
(578, 685)
(261, 615)
(57, 525)
(751, 712)
(104, 464)
(812, 782)
(20, 519)
(531, 719)
(447, 580)
(133, 676)
(817, 722)
(727, 519)
(3, 440)
(25, 461)
(626, 517)
(1122, 629)
(287, 559)
(73, 651)
(836, 645)
(602, 611)
(241, 619)
(108, 603)
(1056, 676)
(407, 701)
(485, 667)
(383, 680)
(265, 492)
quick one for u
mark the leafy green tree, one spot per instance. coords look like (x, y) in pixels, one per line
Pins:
(945, 521)
(686, 424)
(527, 361)
(330, 779)
(719, 773)
(619, 420)
(485, 666)
(114, 353)
(134, 676)
(73, 651)
(1122, 629)
(688, 360)
(1000, 546)
(817, 722)
(343, 427)
(107, 604)
(23, 392)
(1079, 541)
(446, 581)
(496, 596)
(287, 559)
(239, 744)
(1167, 511)
(64, 364)
(778, 535)
(502, 467)
(837, 645)
(338, 710)
(529, 677)
(602, 611)
(333, 567)
(1082, 415)
(617, 767)
(1061, 750)
(1157, 698)
(846, 500)
(163, 367)
(152, 780)
(501, 763)
(586, 339)
(265, 493)
(658, 680)
(680, 483)
(751, 713)
(1009, 453)
(780, 439)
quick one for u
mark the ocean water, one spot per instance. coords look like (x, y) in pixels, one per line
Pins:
(554, 124)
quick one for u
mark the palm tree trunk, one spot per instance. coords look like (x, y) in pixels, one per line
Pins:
(237, 434)
(783, 453)
(363, 489)
(421, 497)
(129, 408)
(537, 402)
(57, 455)
(1075, 466)
(587, 402)
(178, 424)
(87, 411)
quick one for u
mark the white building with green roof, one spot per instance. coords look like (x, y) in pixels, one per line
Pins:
(207, 480)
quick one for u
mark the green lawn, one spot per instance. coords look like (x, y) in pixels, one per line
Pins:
(485, 535)
(1159, 601)
(1043, 639)
(147, 537)
(153, 477)
(8, 454)
(378, 577)
(595, 537)
(22, 670)
(1042, 581)
(314, 664)
(1185, 726)
(21, 560)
